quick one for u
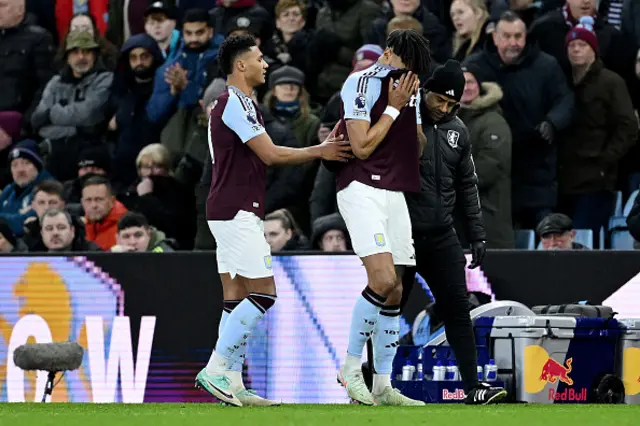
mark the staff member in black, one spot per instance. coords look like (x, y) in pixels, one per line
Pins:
(448, 177)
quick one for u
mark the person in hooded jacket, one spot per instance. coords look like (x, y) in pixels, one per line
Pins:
(448, 177)
(330, 234)
(140, 57)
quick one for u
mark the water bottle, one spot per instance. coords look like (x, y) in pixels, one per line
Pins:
(452, 373)
(438, 372)
(491, 371)
(419, 372)
(407, 371)
(480, 373)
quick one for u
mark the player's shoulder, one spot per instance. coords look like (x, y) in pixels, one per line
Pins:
(362, 78)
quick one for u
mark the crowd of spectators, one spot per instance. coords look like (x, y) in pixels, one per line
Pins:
(103, 122)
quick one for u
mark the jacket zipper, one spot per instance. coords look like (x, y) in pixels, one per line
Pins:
(438, 171)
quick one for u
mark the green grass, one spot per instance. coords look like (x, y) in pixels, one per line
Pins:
(316, 415)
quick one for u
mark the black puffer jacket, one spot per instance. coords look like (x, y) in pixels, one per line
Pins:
(447, 177)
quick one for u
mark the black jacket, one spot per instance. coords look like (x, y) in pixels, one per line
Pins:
(26, 54)
(447, 177)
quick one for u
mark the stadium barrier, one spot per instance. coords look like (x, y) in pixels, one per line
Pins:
(148, 321)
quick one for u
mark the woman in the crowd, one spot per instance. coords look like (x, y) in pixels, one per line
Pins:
(167, 203)
(471, 21)
(85, 22)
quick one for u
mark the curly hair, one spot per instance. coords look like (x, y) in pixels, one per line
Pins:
(231, 48)
(412, 48)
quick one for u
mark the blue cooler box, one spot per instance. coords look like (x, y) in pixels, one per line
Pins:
(556, 359)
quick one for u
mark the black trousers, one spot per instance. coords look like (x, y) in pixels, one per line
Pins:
(441, 262)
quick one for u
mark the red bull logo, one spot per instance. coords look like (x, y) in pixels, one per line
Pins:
(552, 371)
(569, 394)
(456, 395)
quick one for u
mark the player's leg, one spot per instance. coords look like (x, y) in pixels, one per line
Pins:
(387, 331)
(360, 206)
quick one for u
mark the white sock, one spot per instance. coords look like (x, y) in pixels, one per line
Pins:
(353, 363)
(236, 380)
(217, 365)
(380, 381)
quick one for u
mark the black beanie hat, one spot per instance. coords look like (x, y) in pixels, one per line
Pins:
(448, 80)
(475, 70)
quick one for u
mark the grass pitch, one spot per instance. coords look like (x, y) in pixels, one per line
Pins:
(316, 415)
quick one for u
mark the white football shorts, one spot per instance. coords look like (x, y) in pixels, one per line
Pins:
(241, 247)
(378, 222)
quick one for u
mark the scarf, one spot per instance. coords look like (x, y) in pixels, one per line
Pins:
(570, 20)
(287, 109)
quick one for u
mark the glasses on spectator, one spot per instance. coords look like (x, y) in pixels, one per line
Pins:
(151, 167)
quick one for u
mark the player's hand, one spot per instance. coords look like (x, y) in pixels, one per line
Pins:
(407, 86)
(335, 148)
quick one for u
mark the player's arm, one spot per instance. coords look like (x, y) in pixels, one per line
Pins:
(334, 149)
(363, 137)
(244, 123)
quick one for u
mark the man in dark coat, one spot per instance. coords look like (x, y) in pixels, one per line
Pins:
(537, 102)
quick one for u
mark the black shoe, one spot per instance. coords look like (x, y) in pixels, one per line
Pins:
(485, 394)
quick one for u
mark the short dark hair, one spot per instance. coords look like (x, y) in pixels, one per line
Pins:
(197, 15)
(510, 16)
(50, 186)
(413, 48)
(231, 48)
(132, 220)
(55, 212)
(98, 180)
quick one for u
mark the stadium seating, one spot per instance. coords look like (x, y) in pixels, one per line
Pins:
(525, 239)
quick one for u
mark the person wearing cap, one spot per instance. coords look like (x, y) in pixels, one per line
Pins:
(160, 24)
(448, 179)
(91, 162)
(140, 58)
(73, 106)
(617, 50)
(537, 103)
(556, 232)
(27, 169)
(228, 10)
(330, 234)
(491, 150)
(603, 131)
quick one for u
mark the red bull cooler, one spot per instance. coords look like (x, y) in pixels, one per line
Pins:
(555, 359)
(630, 364)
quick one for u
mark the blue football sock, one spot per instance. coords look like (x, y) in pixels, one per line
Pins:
(363, 320)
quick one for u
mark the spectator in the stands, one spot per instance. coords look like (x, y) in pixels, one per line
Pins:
(179, 83)
(46, 195)
(84, 22)
(342, 26)
(530, 10)
(59, 233)
(136, 235)
(471, 19)
(403, 22)
(127, 17)
(92, 161)
(27, 171)
(8, 241)
(556, 232)
(330, 234)
(615, 50)
(288, 44)
(282, 232)
(288, 101)
(604, 129)
(139, 61)
(71, 113)
(160, 24)
(491, 149)
(27, 53)
(433, 30)
(227, 10)
(537, 102)
(167, 204)
(102, 211)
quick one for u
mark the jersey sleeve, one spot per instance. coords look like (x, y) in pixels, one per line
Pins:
(418, 113)
(241, 117)
(356, 96)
